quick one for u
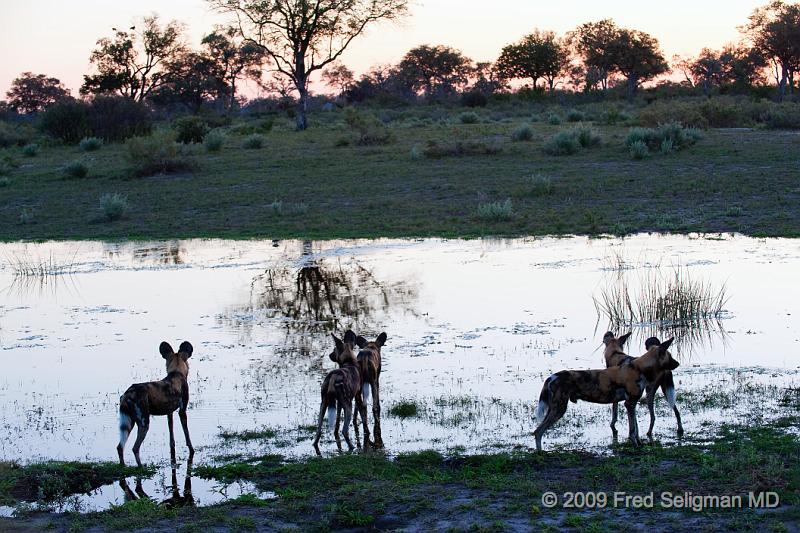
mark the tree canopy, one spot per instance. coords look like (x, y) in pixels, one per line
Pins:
(537, 55)
(30, 92)
(435, 70)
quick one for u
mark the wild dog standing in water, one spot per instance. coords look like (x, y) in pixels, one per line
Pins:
(157, 398)
(625, 382)
(369, 363)
(614, 356)
(340, 387)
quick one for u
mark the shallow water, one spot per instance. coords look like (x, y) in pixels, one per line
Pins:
(474, 328)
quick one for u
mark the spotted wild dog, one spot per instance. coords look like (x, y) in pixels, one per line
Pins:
(614, 356)
(369, 363)
(340, 387)
(157, 398)
(626, 382)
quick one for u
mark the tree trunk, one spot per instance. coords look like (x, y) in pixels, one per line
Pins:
(782, 84)
(302, 106)
(633, 82)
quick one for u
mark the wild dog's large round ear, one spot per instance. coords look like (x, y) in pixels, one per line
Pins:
(338, 342)
(608, 337)
(381, 340)
(662, 348)
(165, 349)
(349, 337)
(624, 338)
(186, 347)
(652, 341)
(361, 341)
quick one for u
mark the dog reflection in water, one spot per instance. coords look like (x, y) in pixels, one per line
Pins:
(175, 500)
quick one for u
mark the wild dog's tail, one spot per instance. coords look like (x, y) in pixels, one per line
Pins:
(331, 416)
(330, 394)
(127, 410)
(544, 398)
(668, 388)
(365, 390)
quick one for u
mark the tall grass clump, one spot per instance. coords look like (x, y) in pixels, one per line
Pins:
(468, 117)
(638, 150)
(435, 149)
(253, 142)
(90, 144)
(496, 211)
(157, 154)
(523, 133)
(568, 142)
(213, 141)
(368, 128)
(30, 150)
(75, 170)
(539, 185)
(575, 115)
(24, 266)
(113, 206)
(554, 119)
(404, 409)
(665, 139)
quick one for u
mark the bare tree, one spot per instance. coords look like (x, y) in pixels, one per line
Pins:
(303, 36)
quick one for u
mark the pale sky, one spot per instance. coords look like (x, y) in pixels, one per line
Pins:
(56, 37)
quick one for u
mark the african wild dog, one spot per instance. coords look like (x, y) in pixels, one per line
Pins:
(157, 398)
(625, 382)
(369, 363)
(614, 356)
(340, 387)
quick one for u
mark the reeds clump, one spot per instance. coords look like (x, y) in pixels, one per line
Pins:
(496, 211)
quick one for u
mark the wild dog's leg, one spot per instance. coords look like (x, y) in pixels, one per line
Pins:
(336, 426)
(185, 424)
(348, 414)
(171, 438)
(614, 409)
(376, 414)
(651, 399)
(633, 426)
(142, 425)
(362, 409)
(323, 407)
(555, 410)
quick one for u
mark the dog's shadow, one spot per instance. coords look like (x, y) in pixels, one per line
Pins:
(176, 499)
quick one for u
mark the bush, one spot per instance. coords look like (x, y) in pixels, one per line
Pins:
(639, 150)
(214, 140)
(554, 120)
(496, 211)
(468, 117)
(782, 117)
(562, 143)
(434, 149)
(369, 129)
(474, 99)
(90, 144)
(587, 137)
(113, 206)
(539, 185)
(687, 114)
(76, 170)
(115, 118)
(665, 138)
(575, 116)
(30, 150)
(190, 129)
(523, 133)
(14, 135)
(67, 120)
(157, 154)
(253, 142)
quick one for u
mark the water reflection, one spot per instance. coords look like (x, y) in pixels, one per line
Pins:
(174, 500)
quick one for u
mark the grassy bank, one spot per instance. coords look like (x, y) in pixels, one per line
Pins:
(497, 492)
(442, 177)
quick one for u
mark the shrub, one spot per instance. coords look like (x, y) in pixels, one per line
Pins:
(563, 143)
(666, 146)
(157, 154)
(416, 153)
(253, 142)
(639, 150)
(554, 120)
(67, 120)
(214, 140)
(665, 138)
(4, 182)
(14, 135)
(782, 117)
(341, 142)
(613, 115)
(90, 144)
(76, 170)
(435, 149)
(468, 117)
(575, 115)
(404, 409)
(688, 114)
(190, 129)
(523, 133)
(587, 137)
(539, 185)
(474, 99)
(113, 206)
(369, 129)
(116, 118)
(30, 150)
(496, 211)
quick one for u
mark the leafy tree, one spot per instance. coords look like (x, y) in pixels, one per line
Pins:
(434, 70)
(339, 76)
(31, 93)
(132, 63)
(232, 60)
(538, 55)
(190, 79)
(774, 30)
(733, 65)
(593, 41)
(300, 37)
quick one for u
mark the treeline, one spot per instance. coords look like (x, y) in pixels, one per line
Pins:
(149, 66)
